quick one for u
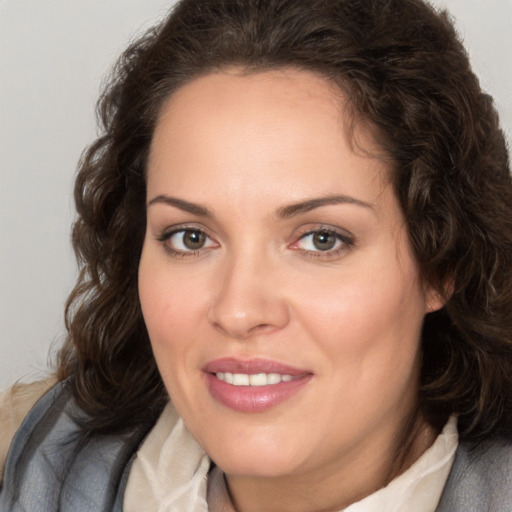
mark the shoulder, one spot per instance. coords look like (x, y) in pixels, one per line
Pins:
(480, 479)
(56, 463)
(15, 403)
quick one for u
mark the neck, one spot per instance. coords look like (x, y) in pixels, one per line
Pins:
(362, 472)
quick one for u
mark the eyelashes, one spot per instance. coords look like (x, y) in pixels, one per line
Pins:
(186, 241)
(319, 242)
(323, 242)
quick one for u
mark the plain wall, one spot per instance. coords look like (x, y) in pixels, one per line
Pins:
(53, 55)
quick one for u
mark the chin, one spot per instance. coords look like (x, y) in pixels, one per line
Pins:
(262, 467)
(264, 457)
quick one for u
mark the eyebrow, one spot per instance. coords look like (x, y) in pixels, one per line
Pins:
(186, 206)
(292, 210)
(283, 212)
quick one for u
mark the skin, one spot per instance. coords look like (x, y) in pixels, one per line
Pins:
(245, 147)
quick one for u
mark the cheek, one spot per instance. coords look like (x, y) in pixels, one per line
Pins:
(368, 330)
(369, 313)
(170, 309)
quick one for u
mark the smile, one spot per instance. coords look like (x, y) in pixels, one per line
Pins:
(255, 379)
(253, 386)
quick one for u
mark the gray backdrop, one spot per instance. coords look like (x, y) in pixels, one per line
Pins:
(53, 55)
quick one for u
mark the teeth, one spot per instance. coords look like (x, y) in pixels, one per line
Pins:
(273, 378)
(240, 379)
(256, 379)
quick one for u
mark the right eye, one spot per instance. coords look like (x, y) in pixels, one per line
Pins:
(187, 241)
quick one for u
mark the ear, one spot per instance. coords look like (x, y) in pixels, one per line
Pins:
(435, 299)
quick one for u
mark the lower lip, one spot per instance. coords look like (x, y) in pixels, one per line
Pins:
(253, 398)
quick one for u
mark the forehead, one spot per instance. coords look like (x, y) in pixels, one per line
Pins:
(277, 127)
(286, 95)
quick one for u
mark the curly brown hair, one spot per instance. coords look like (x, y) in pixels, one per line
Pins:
(403, 69)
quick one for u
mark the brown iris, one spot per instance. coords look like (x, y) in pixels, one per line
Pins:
(193, 240)
(324, 240)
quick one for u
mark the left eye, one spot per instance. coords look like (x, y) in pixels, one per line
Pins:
(322, 240)
(188, 240)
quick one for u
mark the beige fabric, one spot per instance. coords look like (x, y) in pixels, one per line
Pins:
(170, 470)
(15, 403)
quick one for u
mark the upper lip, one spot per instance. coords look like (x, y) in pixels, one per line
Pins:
(252, 366)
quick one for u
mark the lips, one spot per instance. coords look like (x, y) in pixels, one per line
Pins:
(253, 385)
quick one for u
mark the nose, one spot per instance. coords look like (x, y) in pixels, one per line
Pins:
(248, 299)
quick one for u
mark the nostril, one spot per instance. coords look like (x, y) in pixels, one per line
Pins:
(261, 327)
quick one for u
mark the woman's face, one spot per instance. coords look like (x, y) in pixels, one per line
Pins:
(281, 297)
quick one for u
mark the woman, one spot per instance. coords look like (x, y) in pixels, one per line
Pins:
(298, 226)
